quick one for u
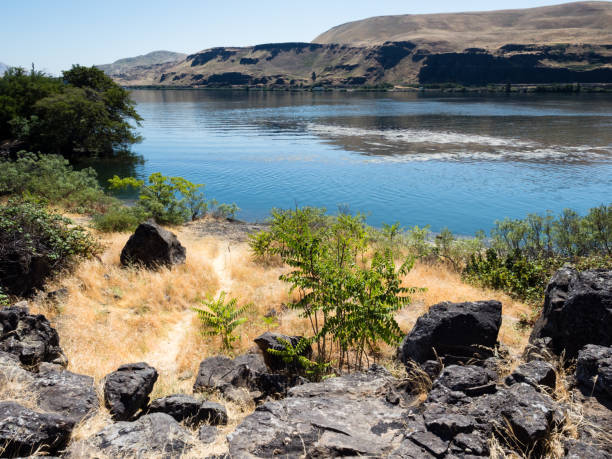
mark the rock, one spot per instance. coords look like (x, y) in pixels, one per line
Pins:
(187, 409)
(432, 368)
(23, 274)
(152, 435)
(469, 379)
(24, 432)
(29, 337)
(244, 378)
(152, 246)
(536, 373)
(575, 449)
(270, 340)
(207, 434)
(11, 371)
(456, 331)
(345, 416)
(577, 311)
(127, 390)
(594, 369)
(66, 393)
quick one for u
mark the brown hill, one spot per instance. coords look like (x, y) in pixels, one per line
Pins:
(579, 22)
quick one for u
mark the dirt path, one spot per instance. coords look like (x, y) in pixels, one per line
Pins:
(164, 356)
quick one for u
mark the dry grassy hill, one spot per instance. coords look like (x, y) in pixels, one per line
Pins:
(579, 22)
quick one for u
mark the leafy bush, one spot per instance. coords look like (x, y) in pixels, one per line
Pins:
(51, 179)
(28, 231)
(348, 300)
(172, 200)
(221, 318)
(119, 219)
(293, 357)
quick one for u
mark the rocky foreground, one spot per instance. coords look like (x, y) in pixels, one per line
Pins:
(462, 395)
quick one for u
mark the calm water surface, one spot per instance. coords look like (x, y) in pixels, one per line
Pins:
(456, 161)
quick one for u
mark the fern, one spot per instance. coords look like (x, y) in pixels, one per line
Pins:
(221, 318)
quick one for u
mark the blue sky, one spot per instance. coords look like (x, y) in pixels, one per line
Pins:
(54, 34)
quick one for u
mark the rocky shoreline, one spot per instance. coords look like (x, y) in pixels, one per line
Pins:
(462, 394)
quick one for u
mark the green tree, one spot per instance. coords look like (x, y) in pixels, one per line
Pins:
(222, 319)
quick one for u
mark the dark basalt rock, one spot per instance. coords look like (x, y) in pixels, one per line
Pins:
(454, 331)
(23, 274)
(207, 434)
(577, 311)
(345, 416)
(127, 390)
(470, 379)
(24, 432)
(270, 340)
(29, 337)
(152, 435)
(189, 410)
(536, 373)
(66, 393)
(152, 246)
(594, 370)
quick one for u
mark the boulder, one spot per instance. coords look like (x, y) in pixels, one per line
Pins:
(594, 370)
(127, 390)
(152, 246)
(66, 393)
(152, 435)
(270, 340)
(577, 311)
(23, 273)
(469, 379)
(456, 332)
(207, 434)
(24, 431)
(29, 337)
(345, 416)
(244, 378)
(536, 373)
(187, 409)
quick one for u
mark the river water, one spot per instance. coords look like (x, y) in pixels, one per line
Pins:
(448, 161)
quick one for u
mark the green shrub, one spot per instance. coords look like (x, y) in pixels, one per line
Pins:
(119, 219)
(51, 179)
(29, 231)
(221, 318)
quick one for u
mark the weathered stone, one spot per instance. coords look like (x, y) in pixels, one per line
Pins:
(127, 390)
(536, 373)
(346, 416)
(469, 379)
(22, 273)
(152, 246)
(152, 435)
(432, 368)
(270, 340)
(207, 434)
(471, 444)
(577, 311)
(410, 450)
(213, 413)
(187, 409)
(594, 369)
(29, 337)
(456, 331)
(24, 432)
(430, 442)
(575, 449)
(447, 425)
(66, 393)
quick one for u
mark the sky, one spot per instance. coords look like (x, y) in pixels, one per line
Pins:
(54, 34)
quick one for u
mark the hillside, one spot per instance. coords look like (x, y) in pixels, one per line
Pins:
(579, 22)
(150, 61)
(570, 43)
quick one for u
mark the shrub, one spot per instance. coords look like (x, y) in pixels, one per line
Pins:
(221, 318)
(119, 219)
(35, 244)
(51, 179)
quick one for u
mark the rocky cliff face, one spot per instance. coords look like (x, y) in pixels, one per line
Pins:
(392, 63)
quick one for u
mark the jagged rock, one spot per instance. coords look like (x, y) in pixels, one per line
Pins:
(432, 368)
(12, 372)
(189, 410)
(575, 449)
(470, 379)
(152, 435)
(594, 369)
(577, 311)
(127, 390)
(345, 416)
(455, 331)
(410, 450)
(24, 432)
(152, 246)
(29, 337)
(23, 273)
(536, 373)
(207, 434)
(245, 377)
(270, 340)
(213, 413)
(66, 393)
